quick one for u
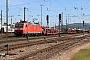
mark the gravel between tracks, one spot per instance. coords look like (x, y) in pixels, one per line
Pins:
(25, 50)
(68, 54)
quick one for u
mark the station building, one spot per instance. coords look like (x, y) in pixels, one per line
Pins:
(3, 28)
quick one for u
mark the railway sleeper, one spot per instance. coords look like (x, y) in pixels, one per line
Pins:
(37, 52)
(57, 51)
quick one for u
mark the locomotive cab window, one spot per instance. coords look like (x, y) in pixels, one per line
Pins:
(19, 25)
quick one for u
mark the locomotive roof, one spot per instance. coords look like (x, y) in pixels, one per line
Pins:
(24, 22)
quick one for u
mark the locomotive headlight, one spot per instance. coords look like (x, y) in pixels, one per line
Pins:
(21, 28)
(15, 28)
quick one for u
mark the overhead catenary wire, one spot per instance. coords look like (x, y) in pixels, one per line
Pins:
(59, 3)
(86, 8)
(17, 6)
(24, 3)
(70, 3)
(2, 2)
(86, 3)
(75, 2)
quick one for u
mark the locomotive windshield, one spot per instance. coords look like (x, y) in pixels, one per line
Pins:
(19, 25)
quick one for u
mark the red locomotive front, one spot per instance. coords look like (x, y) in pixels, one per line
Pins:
(19, 28)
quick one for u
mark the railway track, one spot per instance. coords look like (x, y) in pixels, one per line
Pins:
(64, 41)
(15, 39)
(15, 46)
(31, 43)
(50, 51)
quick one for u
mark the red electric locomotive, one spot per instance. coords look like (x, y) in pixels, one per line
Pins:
(25, 28)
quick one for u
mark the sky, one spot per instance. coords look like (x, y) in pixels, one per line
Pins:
(75, 11)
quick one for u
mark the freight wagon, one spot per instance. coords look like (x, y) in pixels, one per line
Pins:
(70, 31)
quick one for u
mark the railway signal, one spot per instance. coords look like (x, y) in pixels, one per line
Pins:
(60, 17)
(59, 23)
(83, 27)
(83, 23)
(47, 18)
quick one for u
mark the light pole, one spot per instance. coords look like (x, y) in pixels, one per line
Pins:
(11, 22)
(6, 15)
(7, 23)
(68, 19)
(1, 22)
(66, 23)
(41, 14)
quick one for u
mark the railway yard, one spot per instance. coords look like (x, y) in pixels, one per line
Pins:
(44, 29)
(39, 47)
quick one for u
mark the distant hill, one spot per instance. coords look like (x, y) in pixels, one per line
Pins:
(77, 26)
